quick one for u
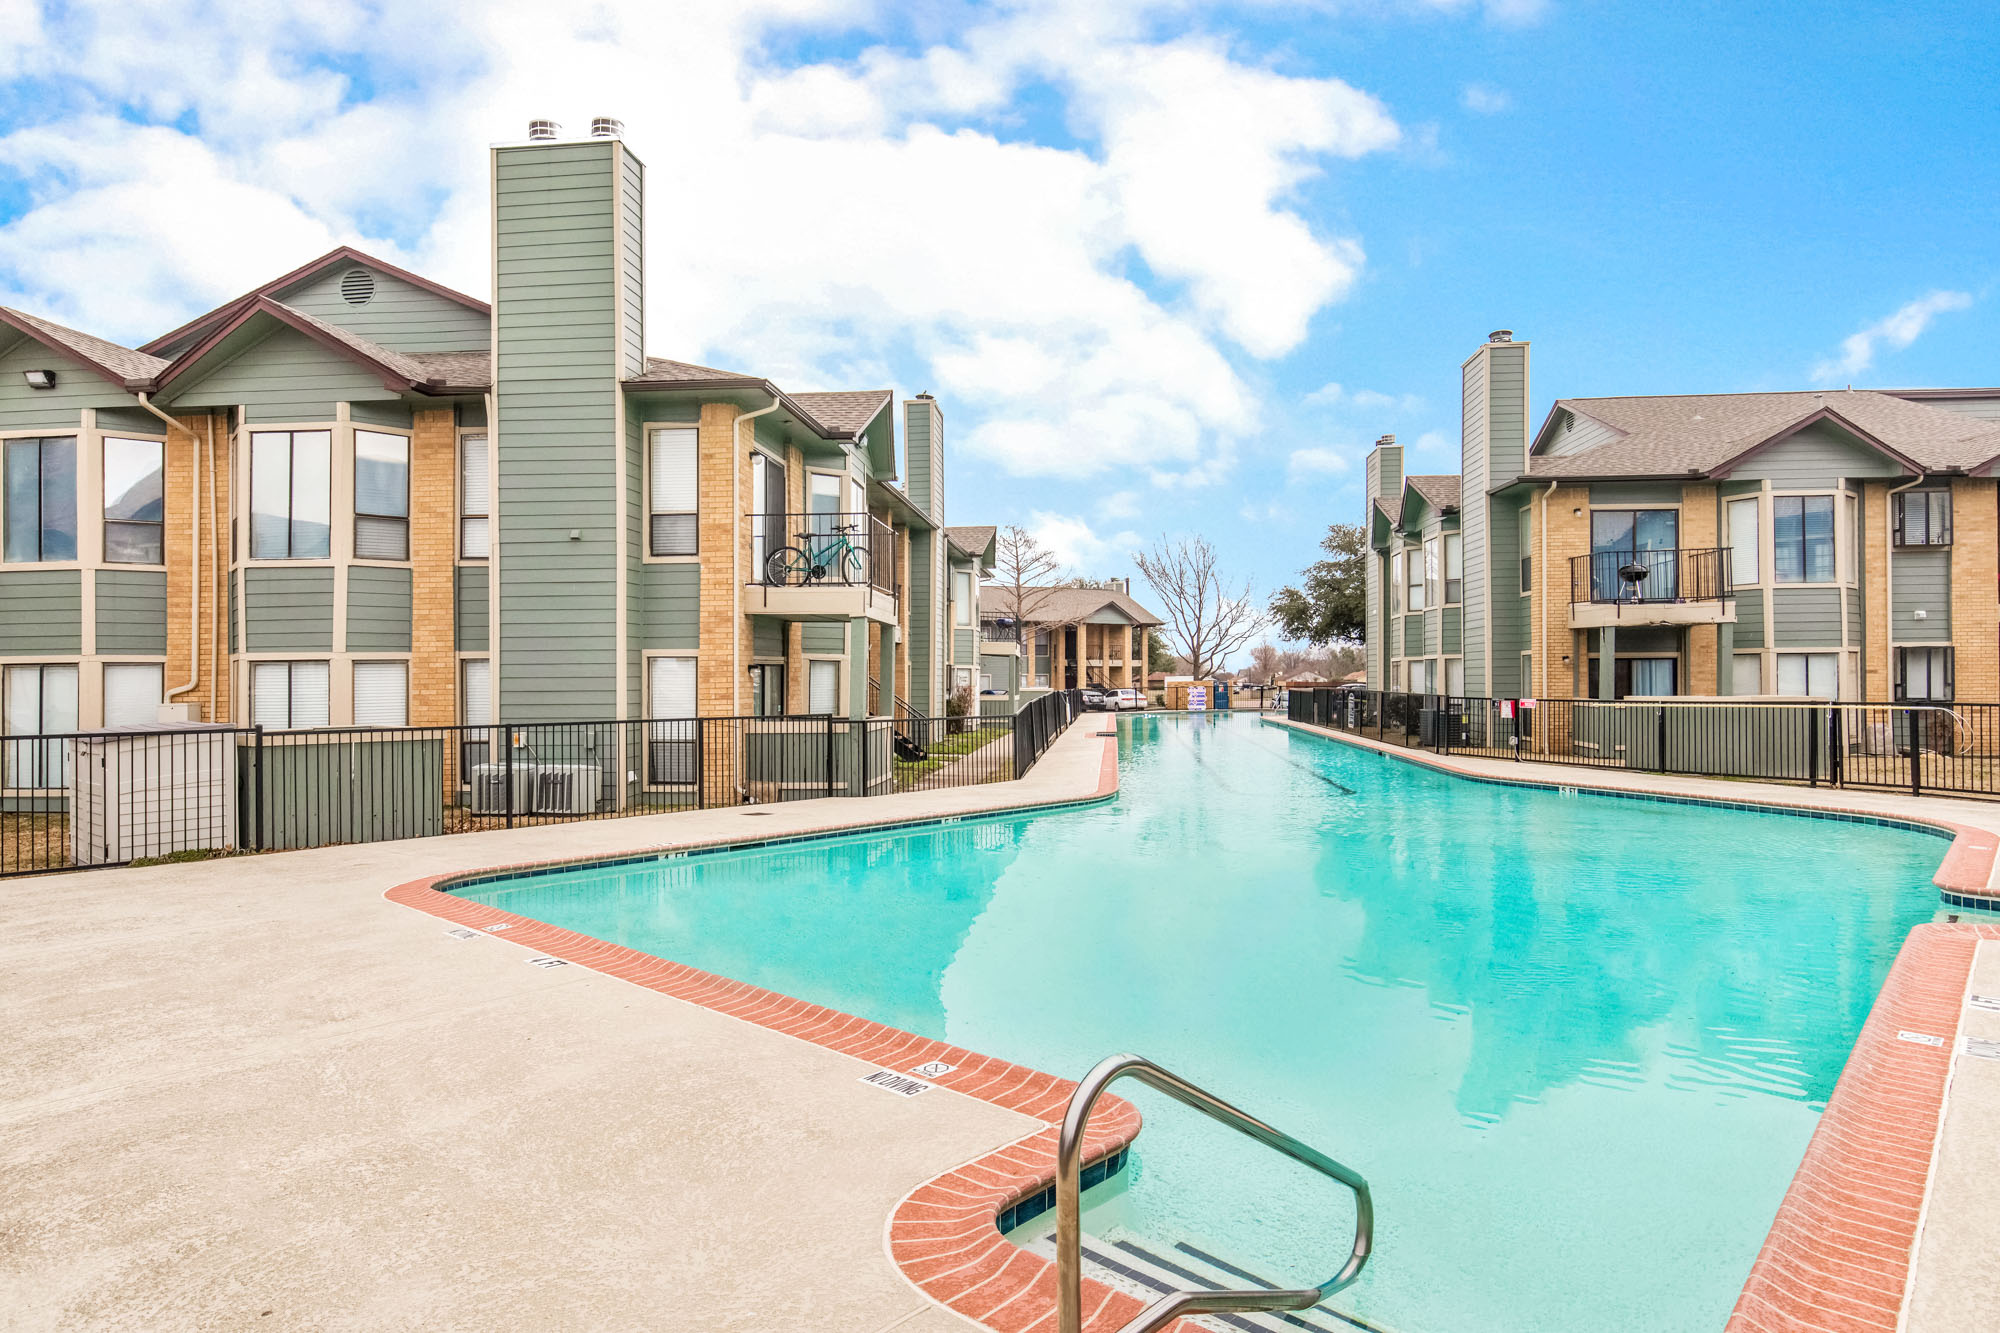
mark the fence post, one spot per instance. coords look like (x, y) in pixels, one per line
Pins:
(829, 754)
(507, 739)
(1661, 709)
(1916, 754)
(1836, 761)
(1812, 748)
(257, 792)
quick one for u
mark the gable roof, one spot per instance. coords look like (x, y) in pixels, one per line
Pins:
(123, 366)
(846, 410)
(1065, 605)
(840, 415)
(1440, 490)
(341, 254)
(973, 541)
(1682, 435)
(407, 372)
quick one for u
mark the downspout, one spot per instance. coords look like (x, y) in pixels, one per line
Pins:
(194, 555)
(736, 461)
(214, 574)
(1541, 621)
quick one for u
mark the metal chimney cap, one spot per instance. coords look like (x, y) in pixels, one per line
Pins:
(1500, 336)
(607, 127)
(1384, 440)
(542, 131)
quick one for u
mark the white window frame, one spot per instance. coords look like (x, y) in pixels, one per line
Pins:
(1827, 660)
(1753, 505)
(813, 669)
(656, 481)
(291, 482)
(37, 761)
(673, 735)
(125, 670)
(1736, 662)
(1771, 543)
(475, 512)
(291, 723)
(1413, 582)
(104, 512)
(961, 598)
(1454, 568)
(395, 713)
(359, 515)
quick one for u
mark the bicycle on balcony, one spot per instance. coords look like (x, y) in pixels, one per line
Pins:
(834, 557)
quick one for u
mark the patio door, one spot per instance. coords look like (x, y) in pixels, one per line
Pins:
(767, 510)
(1639, 539)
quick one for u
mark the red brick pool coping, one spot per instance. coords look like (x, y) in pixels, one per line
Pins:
(943, 1236)
(1837, 1257)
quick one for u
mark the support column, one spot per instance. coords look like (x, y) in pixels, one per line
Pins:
(886, 655)
(1607, 662)
(1725, 657)
(857, 667)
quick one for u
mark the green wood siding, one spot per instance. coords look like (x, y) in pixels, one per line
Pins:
(132, 612)
(283, 377)
(1413, 636)
(235, 583)
(288, 610)
(58, 410)
(767, 636)
(401, 315)
(964, 647)
(1818, 457)
(823, 638)
(923, 636)
(473, 613)
(555, 306)
(1452, 630)
(41, 611)
(673, 607)
(1804, 618)
(1749, 618)
(1923, 583)
(378, 610)
(1642, 494)
(396, 415)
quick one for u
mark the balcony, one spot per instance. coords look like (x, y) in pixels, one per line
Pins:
(822, 567)
(1680, 586)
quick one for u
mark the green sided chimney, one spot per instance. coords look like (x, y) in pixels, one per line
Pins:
(568, 316)
(1385, 483)
(923, 448)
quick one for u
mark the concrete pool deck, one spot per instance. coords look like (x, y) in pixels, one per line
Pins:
(254, 1092)
(1894, 1216)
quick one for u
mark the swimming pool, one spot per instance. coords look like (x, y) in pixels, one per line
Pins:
(1576, 1043)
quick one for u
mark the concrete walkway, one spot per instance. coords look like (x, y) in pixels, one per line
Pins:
(253, 1094)
(1950, 1286)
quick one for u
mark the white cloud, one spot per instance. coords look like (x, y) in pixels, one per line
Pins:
(1318, 459)
(1897, 331)
(1119, 504)
(1436, 442)
(1366, 400)
(1077, 545)
(1485, 100)
(815, 224)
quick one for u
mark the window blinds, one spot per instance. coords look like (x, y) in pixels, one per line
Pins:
(381, 694)
(131, 694)
(672, 486)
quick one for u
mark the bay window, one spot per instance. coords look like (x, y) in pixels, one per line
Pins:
(41, 499)
(1454, 569)
(1802, 538)
(135, 502)
(1745, 567)
(291, 495)
(1414, 578)
(381, 496)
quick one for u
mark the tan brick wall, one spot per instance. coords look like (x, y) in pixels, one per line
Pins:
(1975, 588)
(433, 556)
(723, 488)
(1878, 672)
(1568, 537)
(210, 663)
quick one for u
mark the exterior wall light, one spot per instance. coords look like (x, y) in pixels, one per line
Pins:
(40, 379)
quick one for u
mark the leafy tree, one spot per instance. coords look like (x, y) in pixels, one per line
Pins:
(1330, 605)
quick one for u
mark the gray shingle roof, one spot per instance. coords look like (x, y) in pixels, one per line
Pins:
(1440, 490)
(418, 367)
(1066, 605)
(122, 363)
(973, 541)
(1683, 434)
(659, 370)
(468, 370)
(845, 410)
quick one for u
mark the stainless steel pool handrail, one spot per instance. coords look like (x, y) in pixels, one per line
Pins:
(1069, 1202)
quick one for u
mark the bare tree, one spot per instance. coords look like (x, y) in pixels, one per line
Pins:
(1028, 572)
(1264, 659)
(1208, 616)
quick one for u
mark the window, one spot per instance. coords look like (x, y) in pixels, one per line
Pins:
(767, 509)
(1850, 510)
(381, 496)
(475, 709)
(286, 695)
(135, 502)
(1396, 584)
(1922, 518)
(1414, 578)
(1923, 673)
(381, 694)
(41, 701)
(1809, 675)
(291, 495)
(1744, 565)
(1746, 673)
(986, 682)
(961, 597)
(41, 499)
(1454, 677)
(1646, 677)
(1802, 538)
(1454, 568)
(1420, 677)
(475, 498)
(132, 693)
(1527, 549)
(1432, 572)
(671, 458)
(1626, 541)
(767, 690)
(961, 679)
(672, 744)
(822, 687)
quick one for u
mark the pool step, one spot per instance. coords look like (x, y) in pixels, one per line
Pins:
(1138, 1269)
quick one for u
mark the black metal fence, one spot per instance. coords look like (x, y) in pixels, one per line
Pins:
(1040, 721)
(1913, 746)
(105, 798)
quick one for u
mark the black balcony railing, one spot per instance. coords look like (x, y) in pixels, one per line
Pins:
(1678, 574)
(834, 550)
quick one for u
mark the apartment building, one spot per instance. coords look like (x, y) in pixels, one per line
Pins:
(1073, 635)
(355, 496)
(1820, 543)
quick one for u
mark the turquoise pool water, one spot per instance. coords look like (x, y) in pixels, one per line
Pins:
(1577, 1044)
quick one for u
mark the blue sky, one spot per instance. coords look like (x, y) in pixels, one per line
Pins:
(1130, 243)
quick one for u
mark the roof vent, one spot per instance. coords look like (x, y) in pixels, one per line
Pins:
(1500, 336)
(357, 286)
(542, 131)
(607, 127)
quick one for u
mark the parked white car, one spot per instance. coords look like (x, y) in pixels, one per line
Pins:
(1123, 699)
